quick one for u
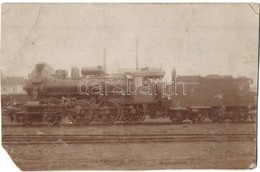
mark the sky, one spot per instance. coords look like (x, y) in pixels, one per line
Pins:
(197, 39)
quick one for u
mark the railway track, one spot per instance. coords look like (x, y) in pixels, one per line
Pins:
(90, 139)
(122, 124)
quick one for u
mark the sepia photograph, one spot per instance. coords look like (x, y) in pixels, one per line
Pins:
(129, 86)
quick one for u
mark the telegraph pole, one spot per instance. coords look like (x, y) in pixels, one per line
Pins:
(136, 54)
(104, 61)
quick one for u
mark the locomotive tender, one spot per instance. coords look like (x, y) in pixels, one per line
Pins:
(131, 97)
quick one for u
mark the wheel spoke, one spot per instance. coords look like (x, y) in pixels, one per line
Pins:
(82, 112)
(133, 114)
(108, 112)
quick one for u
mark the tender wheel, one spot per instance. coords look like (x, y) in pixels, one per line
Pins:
(217, 114)
(198, 116)
(108, 111)
(176, 116)
(233, 115)
(82, 112)
(133, 114)
(242, 114)
(201, 116)
(22, 119)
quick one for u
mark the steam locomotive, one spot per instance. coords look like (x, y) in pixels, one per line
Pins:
(131, 97)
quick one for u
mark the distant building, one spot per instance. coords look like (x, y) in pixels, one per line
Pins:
(12, 85)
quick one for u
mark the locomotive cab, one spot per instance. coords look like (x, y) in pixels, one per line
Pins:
(142, 85)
